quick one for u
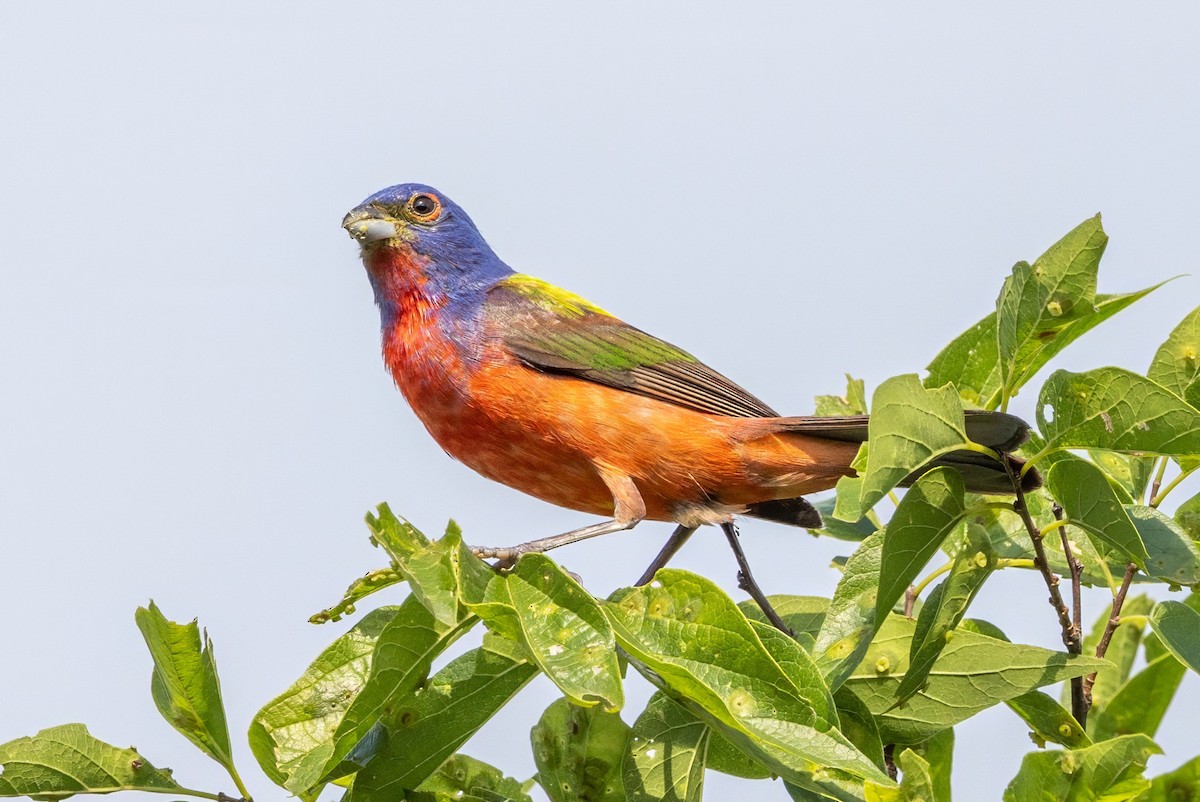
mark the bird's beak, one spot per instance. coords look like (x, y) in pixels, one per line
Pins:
(368, 224)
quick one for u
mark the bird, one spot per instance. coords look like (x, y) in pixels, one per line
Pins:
(541, 390)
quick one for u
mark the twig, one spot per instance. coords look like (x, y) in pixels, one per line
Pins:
(889, 760)
(1114, 620)
(910, 599)
(1070, 631)
(1158, 477)
(1079, 703)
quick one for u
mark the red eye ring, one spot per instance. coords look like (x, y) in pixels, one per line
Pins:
(424, 207)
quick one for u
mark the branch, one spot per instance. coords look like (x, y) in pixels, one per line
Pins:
(1114, 620)
(1070, 631)
(1079, 699)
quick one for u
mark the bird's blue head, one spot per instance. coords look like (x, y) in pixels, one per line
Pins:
(411, 234)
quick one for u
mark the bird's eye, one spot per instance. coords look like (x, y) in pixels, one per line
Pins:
(424, 207)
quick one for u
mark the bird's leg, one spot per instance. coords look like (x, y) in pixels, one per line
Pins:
(674, 544)
(629, 510)
(746, 580)
(507, 555)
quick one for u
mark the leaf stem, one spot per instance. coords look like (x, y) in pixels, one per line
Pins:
(237, 781)
(1158, 477)
(1114, 620)
(924, 583)
(1157, 498)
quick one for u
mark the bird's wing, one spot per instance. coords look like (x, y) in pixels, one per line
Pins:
(554, 331)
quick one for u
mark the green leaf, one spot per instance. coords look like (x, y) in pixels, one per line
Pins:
(1110, 771)
(358, 590)
(1038, 300)
(916, 782)
(973, 673)
(759, 686)
(858, 724)
(945, 607)
(1173, 556)
(850, 623)
(836, 528)
(1140, 704)
(297, 723)
(579, 752)
(1180, 785)
(1130, 474)
(1111, 408)
(803, 614)
(465, 779)
(938, 752)
(1049, 720)
(664, 760)
(847, 504)
(438, 719)
(928, 514)
(184, 683)
(909, 427)
(404, 652)
(1176, 364)
(1187, 515)
(395, 536)
(1178, 626)
(66, 760)
(1092, 505)
(854, 402)
(726, 758)
(540, 606)
(972, 364)
(434, 572)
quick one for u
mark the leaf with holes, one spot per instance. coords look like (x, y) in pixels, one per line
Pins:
(665, 758)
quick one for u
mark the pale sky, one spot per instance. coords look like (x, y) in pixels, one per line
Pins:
(194, 406)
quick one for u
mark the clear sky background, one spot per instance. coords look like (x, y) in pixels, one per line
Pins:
(193, 406)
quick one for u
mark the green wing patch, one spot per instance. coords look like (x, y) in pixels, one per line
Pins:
(555, 331)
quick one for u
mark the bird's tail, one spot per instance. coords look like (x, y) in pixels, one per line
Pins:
(981, 473)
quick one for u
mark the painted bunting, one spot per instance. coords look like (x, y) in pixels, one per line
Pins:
(537, 388)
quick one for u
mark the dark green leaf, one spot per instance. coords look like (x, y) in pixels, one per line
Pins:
(438, 719)
(858, 724)
(726, 758)
(66, 760)
(1139, 704)
(929, 512)
(973, 673)
(1049, 720)
(291, 727)
(184, 683)
(837, 528)
(1111, 408)
(1173, 556)
(1129, 474)
(1180, 785)
(945, 607)
(540, 606)
(1178, 626)
(466, 779)
(688, 637)
(1187, 515)
(1111, 770)
(579, 752)
(1092, 505)
(665, 759)
(850, 623)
